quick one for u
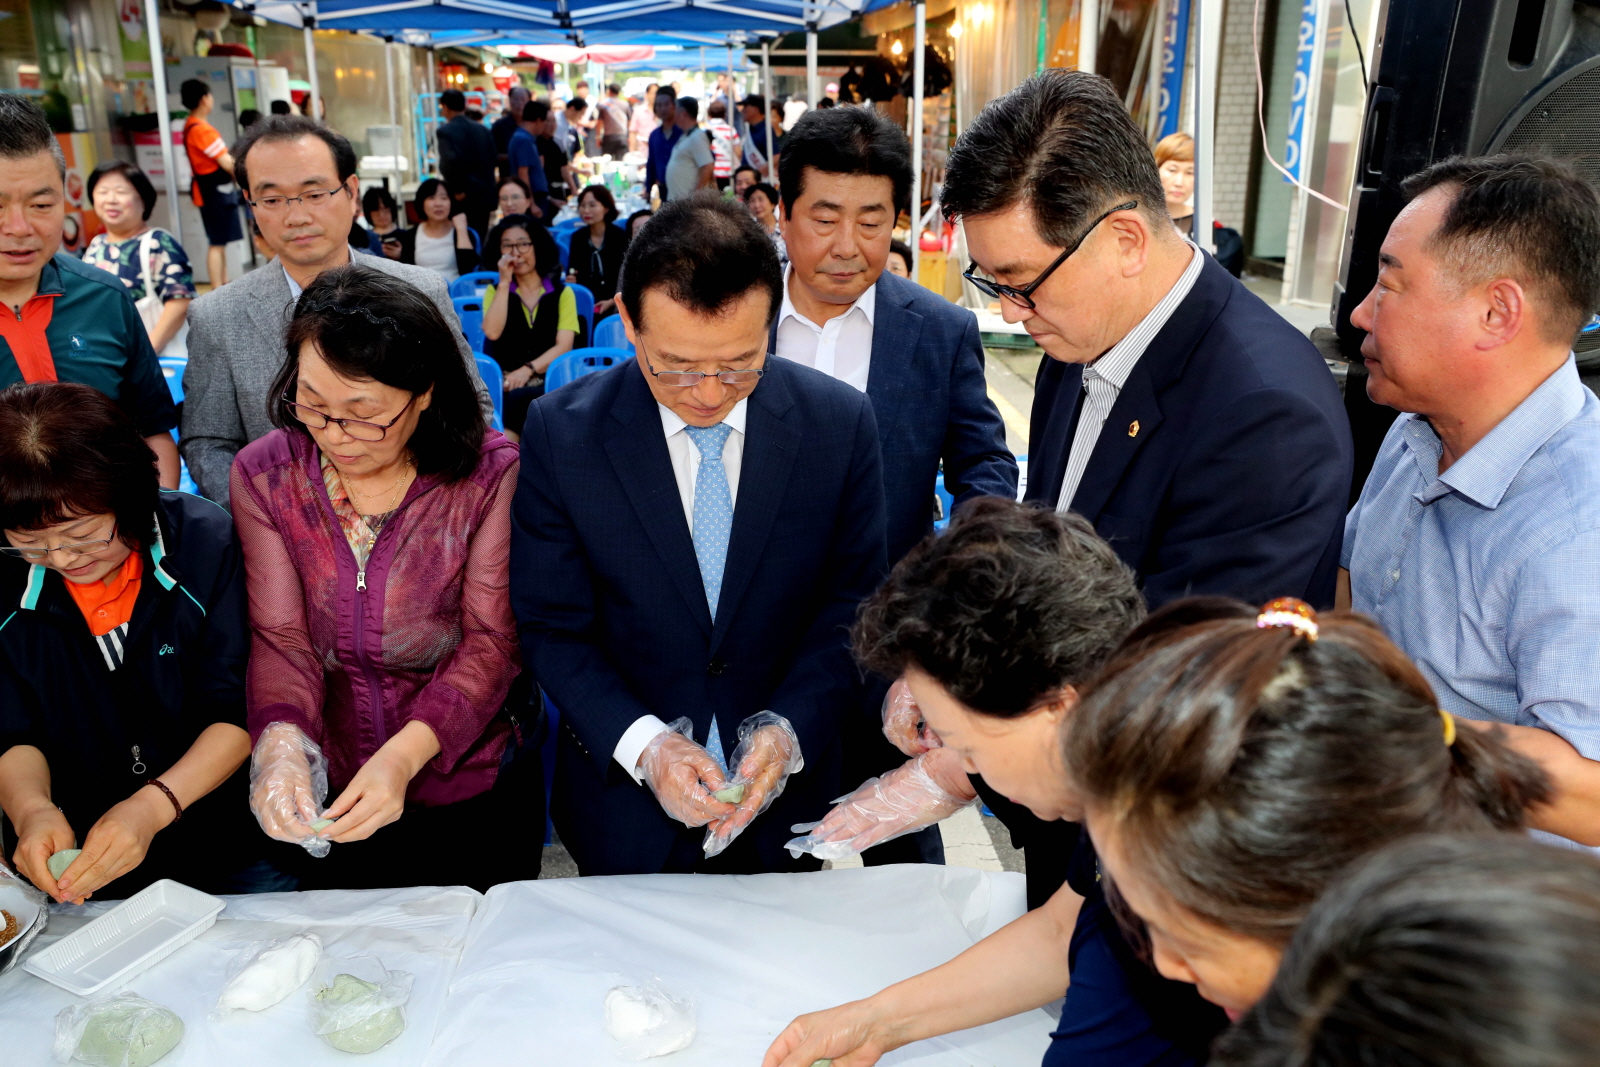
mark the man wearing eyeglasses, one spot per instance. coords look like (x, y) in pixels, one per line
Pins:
(691, 535)
(299, 179)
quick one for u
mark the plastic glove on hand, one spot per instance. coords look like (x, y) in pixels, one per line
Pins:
(289, 785)
(683, 776)
(903, 724)
(917, 794)
(767, 754)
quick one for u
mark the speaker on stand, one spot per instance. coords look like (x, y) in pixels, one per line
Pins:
(1462, 77)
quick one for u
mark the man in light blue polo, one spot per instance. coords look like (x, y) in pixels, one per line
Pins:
(1476, 541)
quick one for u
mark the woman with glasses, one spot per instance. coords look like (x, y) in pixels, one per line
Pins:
(530, 318)
(122, 653)
(375, 521)
(441, 242)
(598, 248)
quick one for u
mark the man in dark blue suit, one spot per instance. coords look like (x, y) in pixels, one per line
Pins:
(692, 534)
(846, 176)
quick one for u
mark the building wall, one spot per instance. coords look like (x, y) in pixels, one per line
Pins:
(1237, 136)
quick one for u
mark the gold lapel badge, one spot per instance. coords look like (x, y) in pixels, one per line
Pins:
(1133, 428)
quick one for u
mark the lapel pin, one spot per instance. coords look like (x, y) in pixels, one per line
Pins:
(1133, 428)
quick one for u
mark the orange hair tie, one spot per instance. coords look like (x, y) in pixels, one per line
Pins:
(1291, 614)
(1449, 727)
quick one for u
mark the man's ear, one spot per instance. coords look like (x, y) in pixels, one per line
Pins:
(1503, 314)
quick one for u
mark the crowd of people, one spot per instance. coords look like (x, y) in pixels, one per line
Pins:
(1295, 781)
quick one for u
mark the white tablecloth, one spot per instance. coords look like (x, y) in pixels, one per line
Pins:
(520, 975)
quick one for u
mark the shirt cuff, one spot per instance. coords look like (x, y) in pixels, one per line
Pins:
(645, 729)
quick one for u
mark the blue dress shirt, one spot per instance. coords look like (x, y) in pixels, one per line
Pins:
(1488, 575)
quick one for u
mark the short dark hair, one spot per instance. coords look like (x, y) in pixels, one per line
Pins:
(281, 107)
(425, 191)
(716, 110)
(690, 105)
(371, 325)
(1210, 746)
(581, 84)
(25, 131)
(546, 256)
(901, 249)
(278, 128)
(454, 99)
(68, 450)
(669, 90)
(845, 140)
(704, 252)
(614, 89)
(765, 190)
(1063, 144)
(1523, 217)
(512, 179)
(379, 197)
(603, 196)
(248, 118)
(192, 91)
(642, 213)
(746, 167)
(755, 100)
(535, 111)
(1439, 951)
(1005, 607)
(135, 177)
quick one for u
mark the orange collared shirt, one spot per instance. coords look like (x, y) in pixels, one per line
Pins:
(106, 607)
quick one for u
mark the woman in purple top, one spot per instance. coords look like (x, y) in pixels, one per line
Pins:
(375, 523)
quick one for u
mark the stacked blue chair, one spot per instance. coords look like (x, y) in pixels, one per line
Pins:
(564, 246)
(581, 361)
(609, 333)
(172, 368)
(494, 381)
(469, 309)
(585, 298)
(474, 283)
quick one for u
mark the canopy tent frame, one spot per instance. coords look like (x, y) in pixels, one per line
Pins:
(919, 42)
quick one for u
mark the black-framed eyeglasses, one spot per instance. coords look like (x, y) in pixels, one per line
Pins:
(515, 246)
(683, 379)
(310, 198)
(355, 428)
(82, 548)
(1024, 296)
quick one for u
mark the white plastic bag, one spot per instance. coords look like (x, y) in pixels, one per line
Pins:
(357, 1005)
(648, 1021)
(289, 787)
(266, 973)
(122, 1030)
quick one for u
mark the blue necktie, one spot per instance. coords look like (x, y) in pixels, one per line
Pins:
(713, 521)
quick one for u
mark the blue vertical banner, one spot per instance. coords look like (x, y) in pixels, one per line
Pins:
(1174, 49)
(1305, 61)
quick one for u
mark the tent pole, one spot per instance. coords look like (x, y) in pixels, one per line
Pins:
(919, 40)
(767, 119)
(811, 64)
(1205, 118)
(1089, 35)
(158, 74)
(315, 99)
(388, 76)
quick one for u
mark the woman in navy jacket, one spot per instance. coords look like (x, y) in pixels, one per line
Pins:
(123, 637)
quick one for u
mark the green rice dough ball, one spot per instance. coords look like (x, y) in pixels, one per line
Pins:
(732, 794)
(823, 1063)
(371, 1033)
(59, 863)
(321, 825)
(129, 1035)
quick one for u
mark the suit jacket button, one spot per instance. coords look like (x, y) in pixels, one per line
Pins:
(715, 668)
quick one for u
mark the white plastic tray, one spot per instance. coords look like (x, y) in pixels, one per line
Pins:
(138, 933)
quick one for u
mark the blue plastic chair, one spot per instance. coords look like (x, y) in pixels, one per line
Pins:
(947, 502)
(495, 382)
(469, 309)
(564, 246)
(567, 226)
(609, 333)
(581, 361)
(172, 368)
(474, 284)
(585, 300)
(477, 242)
(547, 756)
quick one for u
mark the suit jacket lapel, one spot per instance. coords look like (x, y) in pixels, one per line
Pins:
(896, 335)
(638, 453)
(269, 310)
(1133, 419)
(771, 447)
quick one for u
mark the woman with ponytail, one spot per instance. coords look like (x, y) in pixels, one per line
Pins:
(1232, 768)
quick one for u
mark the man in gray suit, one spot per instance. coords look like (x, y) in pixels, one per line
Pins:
(300, 177)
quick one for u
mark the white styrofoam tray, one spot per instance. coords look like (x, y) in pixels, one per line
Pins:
(141, 931)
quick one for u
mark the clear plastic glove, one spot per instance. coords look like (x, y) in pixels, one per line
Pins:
(682, 775)
(917, 794)
(768, 753)
(288, 787)
(903, 724)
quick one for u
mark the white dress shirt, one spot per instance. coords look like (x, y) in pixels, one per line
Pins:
(685, 469)
(1104, 378)
(840, 347)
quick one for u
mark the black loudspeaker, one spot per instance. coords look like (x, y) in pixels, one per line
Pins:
(1462, 77)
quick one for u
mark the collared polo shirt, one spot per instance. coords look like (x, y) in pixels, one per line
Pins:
(1487, 575)
(82, 326)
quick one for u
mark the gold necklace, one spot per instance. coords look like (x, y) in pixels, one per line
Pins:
(374, 527)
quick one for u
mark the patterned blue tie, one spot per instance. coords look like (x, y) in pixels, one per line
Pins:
(713, 521)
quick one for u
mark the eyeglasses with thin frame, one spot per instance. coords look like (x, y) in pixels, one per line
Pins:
(515, 246)
(82, 548)
(355, 428)
(684, 379)
(310, 198)
(1023, 297)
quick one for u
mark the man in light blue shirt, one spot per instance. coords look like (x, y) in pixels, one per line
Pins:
(1476, 541)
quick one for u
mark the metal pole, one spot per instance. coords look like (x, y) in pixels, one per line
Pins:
(1088, 35)
(388, 76)
(310, 20)
(1205, 118)
(919, 39)
(811, 64)
(767, 119)
(158, 74)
